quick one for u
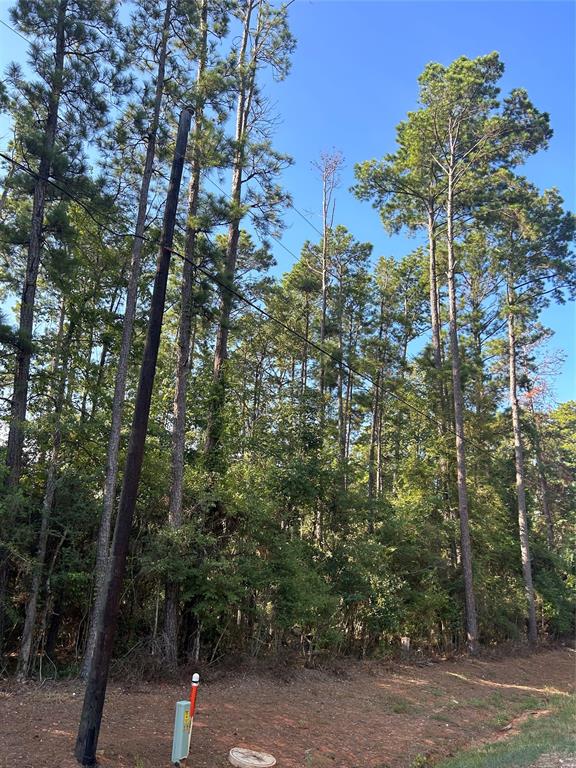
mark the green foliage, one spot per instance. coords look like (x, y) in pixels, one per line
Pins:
(325, 518)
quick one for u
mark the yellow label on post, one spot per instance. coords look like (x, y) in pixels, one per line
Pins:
(187, 720)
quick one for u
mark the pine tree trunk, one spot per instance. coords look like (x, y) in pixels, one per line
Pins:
(4, 583)
(95, 693)
(103, 546)
(184, 358)
(212, 449)
(438, 365)
(54, 626)
(341, 401)
(27, 302)
(543, 483)
(373, 437)
(324, 297)
(304, 370)
(375, 421)
(520, 477)
(215, 421)
(465, 543)
(379, 450)
(89, 352)
(434, 305)
(348, 420)
(39, 646)
(61, 361)
(104, 352)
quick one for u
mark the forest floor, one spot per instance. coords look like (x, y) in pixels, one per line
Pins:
(357, 715)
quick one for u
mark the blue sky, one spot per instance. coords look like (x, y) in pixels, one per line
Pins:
(354, 77)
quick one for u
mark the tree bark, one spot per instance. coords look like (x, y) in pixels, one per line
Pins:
(91, 718)
(304, 369)
(443, 417)
(543, 482)
(184, 357)
(328, 166)
(434, 305)
(325, 283)
(103, 547)
(520, 475)
(247, 71)
(373, 489)
(465, 543)
(341, 399)
(27, 302)
(61, 361)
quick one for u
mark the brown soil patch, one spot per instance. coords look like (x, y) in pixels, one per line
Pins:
(372, 716)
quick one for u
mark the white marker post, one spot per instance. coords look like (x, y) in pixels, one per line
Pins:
(183, 724)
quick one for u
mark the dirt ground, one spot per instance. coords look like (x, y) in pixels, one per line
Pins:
(366, 715)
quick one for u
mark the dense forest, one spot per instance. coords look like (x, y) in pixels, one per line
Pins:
(359, 453)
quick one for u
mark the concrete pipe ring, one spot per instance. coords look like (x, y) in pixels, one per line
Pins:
(247, 758)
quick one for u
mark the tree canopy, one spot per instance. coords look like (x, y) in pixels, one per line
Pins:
(358, 450)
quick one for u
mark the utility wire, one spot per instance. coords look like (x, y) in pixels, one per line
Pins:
(250, 212)
(233, 291)
(299, 212)
(214, 278)
(208, 178)
(290, 204)
(20, 35)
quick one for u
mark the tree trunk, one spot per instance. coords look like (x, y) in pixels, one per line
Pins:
(103, 546)
(27, 301)
(341, 402)
(443, 418)
(465, 543)
(375, 422)
(4, 580)
(184, 357)
(304, 370)
(97, 388)
(61, 361)
(39, 647)
(214, 430)
(374, 437)
(434, 305)
(324, 295)
(520, 476)
(54, 627)
(543, 482)
(93, 705)
(348, 411)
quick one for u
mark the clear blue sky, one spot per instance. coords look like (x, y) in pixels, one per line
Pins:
(354, 77)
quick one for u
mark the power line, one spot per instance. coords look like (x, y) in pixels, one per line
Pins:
(233, 291)
(254, 306)
(20, 35)
(214, 278)
(290, 204)
(251, 213)
(299, 212)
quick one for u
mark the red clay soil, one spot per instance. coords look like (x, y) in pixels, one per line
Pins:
(370, 715)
